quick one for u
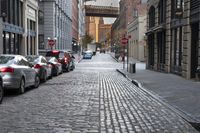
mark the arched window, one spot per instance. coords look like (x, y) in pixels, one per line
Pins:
(151, 17)
(161, 11)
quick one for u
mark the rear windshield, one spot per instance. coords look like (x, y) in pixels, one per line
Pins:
(52, 60)
(32, 58)
(53, 54)
(6, 59)
(61, 54)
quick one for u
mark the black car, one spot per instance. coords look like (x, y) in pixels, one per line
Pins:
(41, 66)
(1, 89)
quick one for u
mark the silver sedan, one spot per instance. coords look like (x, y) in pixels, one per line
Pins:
(17, 73)
(1, 89)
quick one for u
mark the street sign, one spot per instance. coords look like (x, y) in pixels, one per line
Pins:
(124, 41)
(51, 42)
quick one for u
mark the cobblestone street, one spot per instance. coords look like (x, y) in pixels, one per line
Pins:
(92, 98)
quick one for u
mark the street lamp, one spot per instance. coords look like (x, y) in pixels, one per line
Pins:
(129, 37)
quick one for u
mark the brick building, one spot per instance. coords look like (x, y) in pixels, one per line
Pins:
(119, 27)
(136, 31)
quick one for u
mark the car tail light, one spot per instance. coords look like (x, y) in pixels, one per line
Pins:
(7, 69)
(55, 52)
(37, 66)
(65, 59)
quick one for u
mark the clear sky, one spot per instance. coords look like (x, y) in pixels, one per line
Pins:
(114, 3)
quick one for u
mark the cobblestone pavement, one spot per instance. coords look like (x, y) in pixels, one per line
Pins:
(93, 98)
(60, 105)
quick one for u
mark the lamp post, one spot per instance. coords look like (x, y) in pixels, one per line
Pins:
(124, 42)
(129, 36)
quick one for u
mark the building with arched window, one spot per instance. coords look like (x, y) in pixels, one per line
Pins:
(173, 37)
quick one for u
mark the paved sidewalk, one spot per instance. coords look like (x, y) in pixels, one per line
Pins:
(182, 94)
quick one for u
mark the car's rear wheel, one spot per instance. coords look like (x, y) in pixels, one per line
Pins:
(61, 72)
(45, 77)
(1, 93)
(51, 75)
(57, 71)
(21, 89)
(37, 81)
(73, 67)
(68, 68)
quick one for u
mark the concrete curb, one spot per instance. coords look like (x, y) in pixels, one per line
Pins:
(195, 123)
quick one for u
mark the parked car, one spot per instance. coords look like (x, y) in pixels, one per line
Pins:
(56, 66)
(1, 89)
(87, 55)
(17, 73)
(72, 60)
(102, 51)
(64, 57)
(41, 66)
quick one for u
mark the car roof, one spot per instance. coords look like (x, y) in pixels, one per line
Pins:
(11, 55)
(34, 55)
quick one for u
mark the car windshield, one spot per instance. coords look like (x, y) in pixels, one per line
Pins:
(6, 59)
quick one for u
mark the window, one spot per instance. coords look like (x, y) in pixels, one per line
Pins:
(41, 41)
(194, 4)
(151, 17)
(41, 17)
(162, 11)
(4, 11)
(177, 8)
(135, 13)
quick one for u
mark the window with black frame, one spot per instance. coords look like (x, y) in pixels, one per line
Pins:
(162, 11)
(177, 8)
(151, 17)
